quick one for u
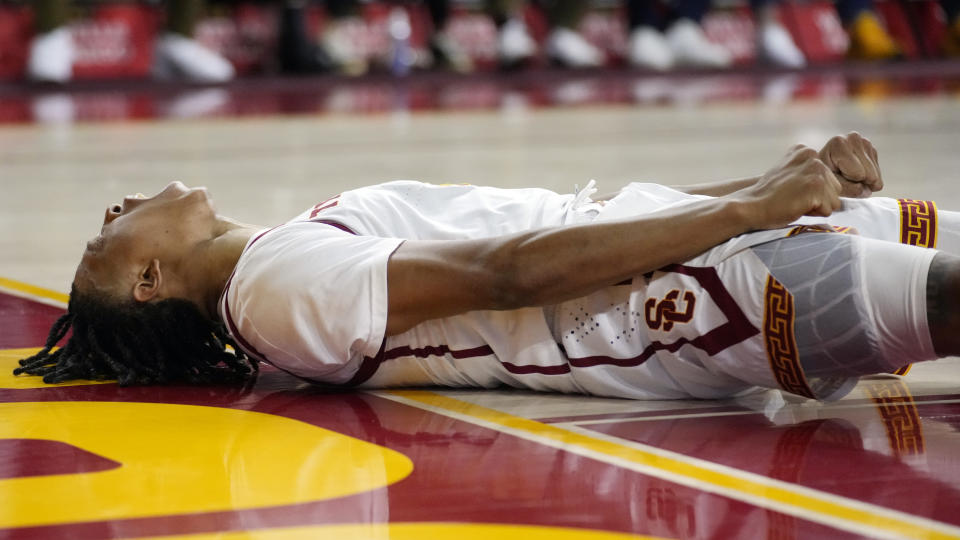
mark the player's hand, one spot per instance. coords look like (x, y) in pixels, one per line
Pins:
(801, 184)
(853, 160)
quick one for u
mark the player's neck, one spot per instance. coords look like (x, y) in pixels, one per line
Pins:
(219, 256)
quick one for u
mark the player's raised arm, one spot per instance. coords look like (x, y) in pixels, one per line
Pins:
(432, 279)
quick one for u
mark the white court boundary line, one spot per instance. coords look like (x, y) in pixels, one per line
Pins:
(601, 421)
(835, 511)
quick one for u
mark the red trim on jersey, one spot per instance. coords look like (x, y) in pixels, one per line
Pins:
(319, 207)
(737, 328)
(231, 326)
(336, 224)
(235, 332)
(559, 369)
(372, 363)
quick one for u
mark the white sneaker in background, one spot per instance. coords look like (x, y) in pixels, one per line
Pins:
(180, 56)
(571, 50)
(340, 40)
(649, 49)
(776, 45)
(691, 47)
(514, 44)
(51, 56)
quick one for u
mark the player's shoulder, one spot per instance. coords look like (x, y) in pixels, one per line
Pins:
(280, 263)
(286, 247)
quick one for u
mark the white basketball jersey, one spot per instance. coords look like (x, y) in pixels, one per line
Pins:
(310, 297)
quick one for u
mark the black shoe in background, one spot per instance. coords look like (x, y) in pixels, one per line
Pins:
(298, 53)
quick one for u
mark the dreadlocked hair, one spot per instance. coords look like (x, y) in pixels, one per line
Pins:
(138, 344)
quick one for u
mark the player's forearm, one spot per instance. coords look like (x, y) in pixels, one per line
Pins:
(432, 279)
(553, 265)
(718, 189)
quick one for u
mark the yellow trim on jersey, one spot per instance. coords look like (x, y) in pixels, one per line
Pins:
(928, 223)
(904, 370)
(806, 503)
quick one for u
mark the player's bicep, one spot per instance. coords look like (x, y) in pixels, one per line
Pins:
(430, 279)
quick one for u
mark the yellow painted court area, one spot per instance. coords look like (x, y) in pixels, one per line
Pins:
(412, 531)
(33, 290)
(9, 361)
(178, 459)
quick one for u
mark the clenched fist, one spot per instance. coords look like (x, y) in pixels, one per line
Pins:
(801, 184)
(853, 160)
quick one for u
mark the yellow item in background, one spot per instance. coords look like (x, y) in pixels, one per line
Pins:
(869, 40)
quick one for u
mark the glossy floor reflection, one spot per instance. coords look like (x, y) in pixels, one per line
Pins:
(128, 462)
(535, 88)
(285, 460)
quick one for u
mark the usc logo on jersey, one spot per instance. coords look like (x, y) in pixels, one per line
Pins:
(663, 314)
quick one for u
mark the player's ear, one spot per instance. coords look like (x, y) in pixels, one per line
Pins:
(148, 282)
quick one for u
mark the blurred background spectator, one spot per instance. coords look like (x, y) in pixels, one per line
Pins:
(662, 38)
(345, 19)
(515, 46)
(951, 9)
(564, 45)
(307, 36)
(297, 50)
(176, 53)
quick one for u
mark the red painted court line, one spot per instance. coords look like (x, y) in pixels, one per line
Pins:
(48, 458)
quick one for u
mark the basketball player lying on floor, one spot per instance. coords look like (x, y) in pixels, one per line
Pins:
(655, 293)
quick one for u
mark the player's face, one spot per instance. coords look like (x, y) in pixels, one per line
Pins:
(165, 227)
